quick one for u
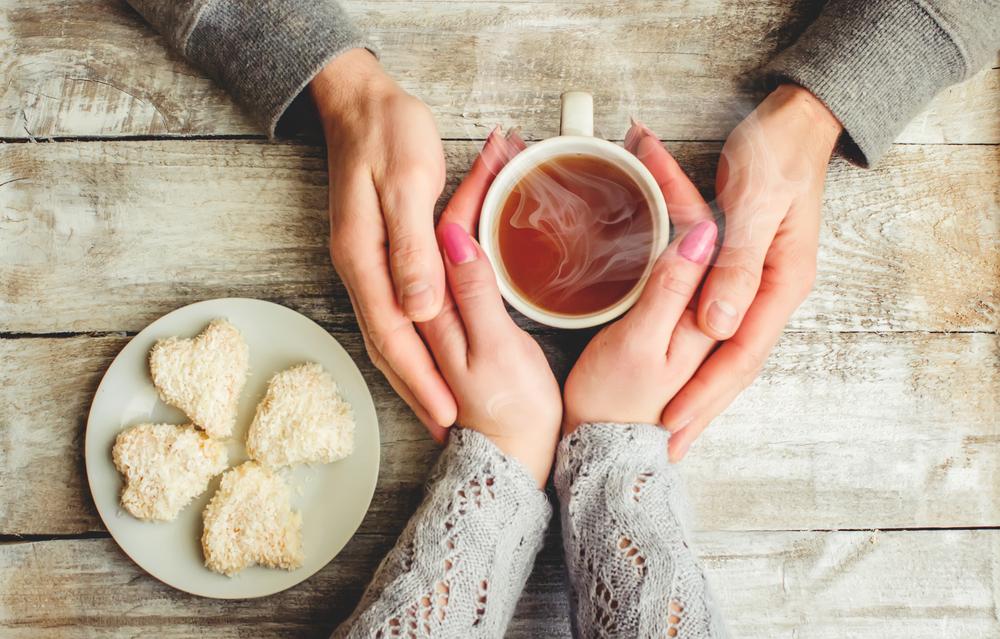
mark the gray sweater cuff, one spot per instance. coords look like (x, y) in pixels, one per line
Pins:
(874, 65)
(640, 443)
(265, 52)
(461, 563)
(469, 452)
(624, 531)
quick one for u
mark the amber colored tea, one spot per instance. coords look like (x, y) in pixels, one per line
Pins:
(575, 235)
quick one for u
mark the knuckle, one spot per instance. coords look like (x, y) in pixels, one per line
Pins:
(406, 255)
(747, 276)
(424, 174)
(672, 281)
(741, 273)
(470, 290)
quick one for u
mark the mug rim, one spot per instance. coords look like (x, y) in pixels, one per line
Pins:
(514, 171)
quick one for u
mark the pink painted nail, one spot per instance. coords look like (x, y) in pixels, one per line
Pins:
(633, 135)
(646, 130)
(647, 145)
(492, 138)
(494, 153)
(515, 143)
(458, 245)
(697, 245)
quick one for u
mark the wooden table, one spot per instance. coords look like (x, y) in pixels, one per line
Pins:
(852, 491)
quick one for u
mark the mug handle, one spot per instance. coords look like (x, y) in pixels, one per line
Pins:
(577, 117)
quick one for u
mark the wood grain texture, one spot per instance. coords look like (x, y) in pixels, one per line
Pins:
(684, 68)
(773, 585)
(878, 408)
(851, 430)
(107, 236)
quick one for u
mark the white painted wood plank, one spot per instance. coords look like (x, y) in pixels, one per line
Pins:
(82, 68)
(850, 430)
(774, 585)
(107, 236)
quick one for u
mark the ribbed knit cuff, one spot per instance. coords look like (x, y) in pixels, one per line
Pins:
(874, 65)
(265, 53)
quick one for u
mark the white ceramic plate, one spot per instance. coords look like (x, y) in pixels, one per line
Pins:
(332, 498)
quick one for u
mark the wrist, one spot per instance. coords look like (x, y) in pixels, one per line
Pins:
(537, 459)
(347, 83)
(805, 111)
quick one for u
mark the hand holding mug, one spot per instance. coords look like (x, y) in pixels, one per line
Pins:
(632, 368)
(501, 380)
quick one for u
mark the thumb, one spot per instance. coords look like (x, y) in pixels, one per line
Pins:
(731, 286)
(414, 258)
(752, 219)
(671, 285)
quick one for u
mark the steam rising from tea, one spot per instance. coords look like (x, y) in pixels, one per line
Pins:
(575, 235)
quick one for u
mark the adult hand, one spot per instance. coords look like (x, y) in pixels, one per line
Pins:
(500, 377)
(769, 185)
(387, 170)
(631, 368)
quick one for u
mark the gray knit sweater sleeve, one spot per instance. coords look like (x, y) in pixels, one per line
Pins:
(461, 563)
(264, 52)
(876, 63)
(631, 568)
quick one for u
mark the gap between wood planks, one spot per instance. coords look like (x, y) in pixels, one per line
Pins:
(10, 539)
(240, 137)
(539, 330)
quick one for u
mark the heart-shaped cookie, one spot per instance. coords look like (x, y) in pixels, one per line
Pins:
(302, 419)
(203, 376)
(250, 521)
(165, 466)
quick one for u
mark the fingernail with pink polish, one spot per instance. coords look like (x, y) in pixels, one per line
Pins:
(491, 139)
(697, 245)
(647, 131)
(458, 245)
(648, 143)
(633, 135)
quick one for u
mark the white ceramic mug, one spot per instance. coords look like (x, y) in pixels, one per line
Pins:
(576, 137)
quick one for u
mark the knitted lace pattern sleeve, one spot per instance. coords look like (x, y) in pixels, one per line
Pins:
(631, 568)
(460, 565)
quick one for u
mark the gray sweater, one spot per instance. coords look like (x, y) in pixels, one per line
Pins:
(458, 568)
(874, 63)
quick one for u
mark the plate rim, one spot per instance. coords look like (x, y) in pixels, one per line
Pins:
(87, 451)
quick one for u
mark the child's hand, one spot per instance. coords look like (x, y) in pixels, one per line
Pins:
(501, 380)
(632, 368)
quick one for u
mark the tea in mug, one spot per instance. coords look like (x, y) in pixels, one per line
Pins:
(575, 235)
